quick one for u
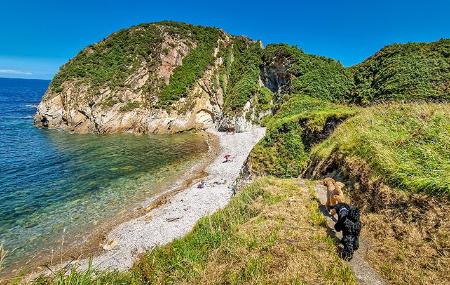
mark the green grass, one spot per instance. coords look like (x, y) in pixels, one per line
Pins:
(405, 72)
(284, 151)
(270, 233)
(405, 145)
(88, 277)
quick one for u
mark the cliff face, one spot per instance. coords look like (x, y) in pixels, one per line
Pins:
(170, 77)
(156, 78)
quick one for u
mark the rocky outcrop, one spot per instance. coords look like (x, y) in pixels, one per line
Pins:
(79, 104)
(276, 76)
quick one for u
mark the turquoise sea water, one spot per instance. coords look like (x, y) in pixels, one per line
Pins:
(54, 183)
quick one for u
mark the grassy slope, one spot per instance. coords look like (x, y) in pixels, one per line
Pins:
(271, 233)
(314, 82)
(405, 145)
(405, 72)
(284, 151)
(408, 72)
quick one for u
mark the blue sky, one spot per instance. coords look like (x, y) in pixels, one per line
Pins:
(39, 36)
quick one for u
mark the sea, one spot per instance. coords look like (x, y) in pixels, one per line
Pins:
(57, 186)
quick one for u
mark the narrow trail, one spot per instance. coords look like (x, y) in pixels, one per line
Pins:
(363, 271)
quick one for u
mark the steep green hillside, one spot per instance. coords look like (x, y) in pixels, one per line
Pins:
(407, 72)
(413, 71)
(112, 61)
(194, 64)
(407, 146)
(299, 123)
(290, 70)
(241, 68)
(162, 77)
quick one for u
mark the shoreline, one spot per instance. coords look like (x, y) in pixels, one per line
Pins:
(92, 241)
(172, 213)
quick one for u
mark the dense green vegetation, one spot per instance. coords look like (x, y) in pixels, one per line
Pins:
(312, 75)
(242, 70)
(405, 145)
(413, 71)
(300, 122)
(249, 241)
(112, 60)
(416, 71)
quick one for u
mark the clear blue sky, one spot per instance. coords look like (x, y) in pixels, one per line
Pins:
(37, 36)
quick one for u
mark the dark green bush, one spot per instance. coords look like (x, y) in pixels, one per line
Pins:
(284, 151)
(112, 60)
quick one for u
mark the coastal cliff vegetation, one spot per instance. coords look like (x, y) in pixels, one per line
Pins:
(382, 126)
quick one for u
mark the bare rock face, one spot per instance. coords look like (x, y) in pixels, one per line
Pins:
(275, 75)
(126, 83)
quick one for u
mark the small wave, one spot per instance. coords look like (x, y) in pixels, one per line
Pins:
(31, 105)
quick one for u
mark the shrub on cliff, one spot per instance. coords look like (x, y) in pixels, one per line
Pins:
(194, 64)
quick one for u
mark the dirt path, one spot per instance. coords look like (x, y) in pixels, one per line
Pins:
(361, 268)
